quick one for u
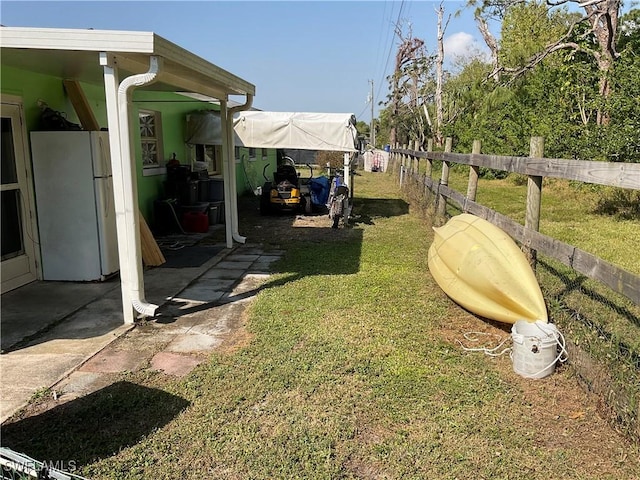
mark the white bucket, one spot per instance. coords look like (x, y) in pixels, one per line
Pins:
(535, 348)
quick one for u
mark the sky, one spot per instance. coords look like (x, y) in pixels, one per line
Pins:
(302, 56)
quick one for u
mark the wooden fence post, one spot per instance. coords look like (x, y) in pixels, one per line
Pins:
(429, 166)
(417, 159)
(407, 159)
(474, 174)
(411, 159)
(399, 163)
(393, 158)
(396, 159)
(534, 200)
(403, 158)
(441, 208)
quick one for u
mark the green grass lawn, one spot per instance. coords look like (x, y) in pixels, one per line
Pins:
(353, 370)
(351, 366)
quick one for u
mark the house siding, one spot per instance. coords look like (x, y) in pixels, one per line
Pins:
(32, 87)
(173, 109)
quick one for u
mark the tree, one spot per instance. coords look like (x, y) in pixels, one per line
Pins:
(439, 74)
(383, 126)
(598, 40)
(410, 48)
(620, 139)
(363, 128)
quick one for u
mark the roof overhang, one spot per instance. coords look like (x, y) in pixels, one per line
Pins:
(75, 54)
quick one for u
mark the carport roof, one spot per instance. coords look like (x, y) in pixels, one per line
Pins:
(75, 54)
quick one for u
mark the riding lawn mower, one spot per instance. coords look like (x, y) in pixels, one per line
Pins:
(290, 193)
(285, 192)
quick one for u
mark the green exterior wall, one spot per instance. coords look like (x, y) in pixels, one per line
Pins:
(173, 109)
(249, 171)
(32, 87)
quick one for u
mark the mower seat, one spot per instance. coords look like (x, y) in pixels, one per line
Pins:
(285, 172)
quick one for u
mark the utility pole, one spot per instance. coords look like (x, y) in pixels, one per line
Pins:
(372, 135)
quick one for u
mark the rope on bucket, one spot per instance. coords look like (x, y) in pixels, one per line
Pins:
(562, 355)
(499, 349)
(474, 337)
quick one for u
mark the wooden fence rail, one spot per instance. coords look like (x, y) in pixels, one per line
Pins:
(536, 167)
(623, 175)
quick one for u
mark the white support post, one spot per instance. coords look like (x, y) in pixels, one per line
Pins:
(124, 179)
(347, 170)
(111, 82)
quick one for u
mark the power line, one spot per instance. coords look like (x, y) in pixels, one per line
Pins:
(391, 38)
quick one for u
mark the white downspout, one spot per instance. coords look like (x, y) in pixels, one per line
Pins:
(231, 193)
(130, 190)
(226, 153)
(234, 212)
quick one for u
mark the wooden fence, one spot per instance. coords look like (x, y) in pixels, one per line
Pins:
(536, 167)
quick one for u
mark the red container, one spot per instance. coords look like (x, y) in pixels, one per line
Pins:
(195, 222)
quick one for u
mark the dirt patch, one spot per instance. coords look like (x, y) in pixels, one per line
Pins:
(274, 228)
(566, 417)
(238, 336)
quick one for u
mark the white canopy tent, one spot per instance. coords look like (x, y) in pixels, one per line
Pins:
(257, 129)
(287, 130)
(304, 131)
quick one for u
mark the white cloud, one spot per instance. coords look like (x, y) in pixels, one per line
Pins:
(462, 45)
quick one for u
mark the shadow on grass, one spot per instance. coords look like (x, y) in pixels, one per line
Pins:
(95, 426)
(175, 308)
(574, 282)
(310, 249)
(365, 210)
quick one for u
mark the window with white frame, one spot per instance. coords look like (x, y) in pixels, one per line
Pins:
(150, 138)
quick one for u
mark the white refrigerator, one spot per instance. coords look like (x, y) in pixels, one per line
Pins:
(74, 202)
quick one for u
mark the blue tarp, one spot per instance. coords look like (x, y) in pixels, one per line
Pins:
(319, 187)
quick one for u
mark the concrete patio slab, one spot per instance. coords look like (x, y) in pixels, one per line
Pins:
(226, 273)
(114, 361)
(24, 374)
(174, 363)
(213, 279)
(193, 342)
(201, 292)
(239, 257)
(20, 396)
(73, 352)
(233, 265)
(29, 310)
(79, 382)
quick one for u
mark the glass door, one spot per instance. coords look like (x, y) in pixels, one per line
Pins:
(17, 229)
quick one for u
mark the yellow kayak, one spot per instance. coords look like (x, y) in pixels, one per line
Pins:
(482, 269)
